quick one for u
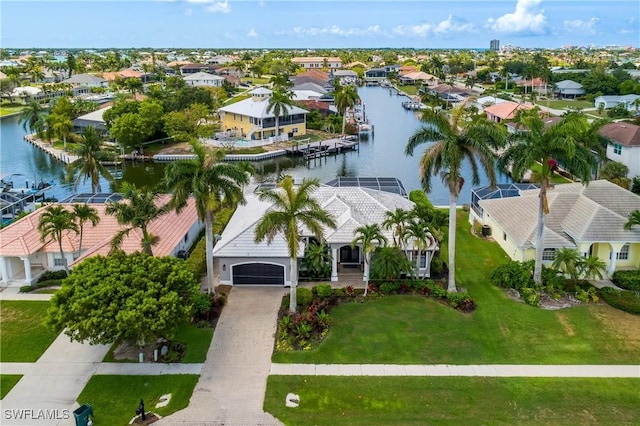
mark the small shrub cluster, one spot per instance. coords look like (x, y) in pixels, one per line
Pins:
(629, 280)
(197, 260)
(207, 308)
(41, 284)
(628, 301)
(300, 331)
(52, 275)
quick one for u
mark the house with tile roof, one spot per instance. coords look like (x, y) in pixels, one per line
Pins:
(242, 261)
(504, 111)
(623, 144)
(589, 218)
(418, 77)
(250, 119)
(203, 79)
(86, 80)
(318, 62)
(24, 256)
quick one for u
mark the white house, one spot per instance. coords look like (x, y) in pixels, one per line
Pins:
(569, 89)
(203, 79)
(309, 62)
(623, 145)
(86, 80)
(610, 101)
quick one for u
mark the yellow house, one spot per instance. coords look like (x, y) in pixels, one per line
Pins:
(589, 218)
(250, 120)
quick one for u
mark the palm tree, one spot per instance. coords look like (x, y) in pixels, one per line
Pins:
(396, 220)
(418, 233)
(369, 237)
(55, 221)
(138, 209)
(452, 141)
(346, 98)
(633, 219)
(88, 165)
(62, 126)
(212, 183)
(83, 213)
(568, 142)
(279, 103)
(292, 208)
(592, 267)
(31, 115)
(566, 260)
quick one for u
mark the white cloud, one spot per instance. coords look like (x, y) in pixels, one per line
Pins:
(218, 7)
(188, 11)
(252, 33)
(443, 28)
(334, 30)
(580, 26)
(524, 20)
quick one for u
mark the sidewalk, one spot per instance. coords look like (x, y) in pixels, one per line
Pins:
(488, 370)
(13, 293)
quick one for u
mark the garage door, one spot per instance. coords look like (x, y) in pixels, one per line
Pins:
(258, 273)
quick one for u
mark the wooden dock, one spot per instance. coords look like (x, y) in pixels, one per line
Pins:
(320, 149)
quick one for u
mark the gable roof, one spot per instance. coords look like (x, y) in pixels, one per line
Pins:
(626, 134)
(315, 74)
(84, 79)
(568, 84)
(201, 75)
(506, 110)
(596, 212)
(350, 207)
(257, 108)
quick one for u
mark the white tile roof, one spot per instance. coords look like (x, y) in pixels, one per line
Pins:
(257, 108)
(201, 75)
(577, 213)
(351, 208)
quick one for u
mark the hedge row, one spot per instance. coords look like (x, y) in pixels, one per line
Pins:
(629, 280)
(627, 301)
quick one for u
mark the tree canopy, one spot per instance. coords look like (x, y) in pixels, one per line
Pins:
(135, 297)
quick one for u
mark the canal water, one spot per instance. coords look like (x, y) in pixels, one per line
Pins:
(379, 155)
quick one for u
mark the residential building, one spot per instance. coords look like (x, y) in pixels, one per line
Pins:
(588, 218)
(631, 102)
(249, 118)
(86, 80)
(568, 89)
(194, 68)
(418, 77)
(623, 145)
(504, 111)
(203, 79)
(318, 62)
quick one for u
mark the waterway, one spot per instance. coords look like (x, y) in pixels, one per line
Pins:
(381, 155)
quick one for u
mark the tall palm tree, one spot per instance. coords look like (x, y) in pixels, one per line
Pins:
(279, 103)
(84, 213)
(418, 233)
(88, 165)
(346, 98)
(53, 223)
(396, 221)
(292, 208)
(212, 183)
(62, 126)
(452, 141)
(138, 209)
(369, 237)
(31, 115)
(633, 219)
(568, 142)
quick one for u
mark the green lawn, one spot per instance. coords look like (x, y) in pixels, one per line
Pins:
(23, 337)
(236, 99)
(415, 330)
(197, 341)
(561, 104)
(555, 178)
(409, 89)
(8, 110)
(454, 401)
(115, 398)
(7, 382)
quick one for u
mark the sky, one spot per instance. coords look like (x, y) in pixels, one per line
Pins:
(317, 24)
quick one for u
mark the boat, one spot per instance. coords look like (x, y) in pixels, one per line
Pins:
(16, 199)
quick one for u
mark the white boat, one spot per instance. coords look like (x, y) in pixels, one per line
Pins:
(16, 199)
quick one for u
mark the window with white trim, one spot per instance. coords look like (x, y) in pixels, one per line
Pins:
(58, 261)
(548, 254)
(617, 148)
(623, 254)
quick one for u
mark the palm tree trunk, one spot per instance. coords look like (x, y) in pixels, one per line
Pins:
(80, 243)
(64, 138)
(146, 242)
(418, 263)
(367, 262)
(277, 126)
(208, 226)
(344, 120)
(537, 270)
(294, 284)
(62, 256)
(451, 287)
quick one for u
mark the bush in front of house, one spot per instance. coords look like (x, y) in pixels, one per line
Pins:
(624, 300)
(52, 275)
(629, 280)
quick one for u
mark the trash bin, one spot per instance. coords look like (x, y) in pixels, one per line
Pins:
(83, 415)
(486, 230)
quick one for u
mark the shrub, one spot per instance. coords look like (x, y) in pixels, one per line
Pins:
(388, 288)
(201, 305)
(323, 290)
(197, 261)
(513, 275)
(456, 299)
(629, 280)
(435, 290)
(52, 275)
(350, 290)
(530, 295)
(340, 292)
(437, 265)
(26, 289)
(304, 296)
(625, 300)
(586, 296)
(417, 285)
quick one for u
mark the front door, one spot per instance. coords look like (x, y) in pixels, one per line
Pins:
(349, 255)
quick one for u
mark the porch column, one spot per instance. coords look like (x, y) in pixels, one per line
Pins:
(27, 269)
(334, 264)
(615, 250)
(4, 271)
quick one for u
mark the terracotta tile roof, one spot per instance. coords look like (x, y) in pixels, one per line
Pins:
(626, 134)
(22, 237)
(506, 110)
(316, 74)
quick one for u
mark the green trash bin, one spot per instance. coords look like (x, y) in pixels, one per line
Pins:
(83, 415)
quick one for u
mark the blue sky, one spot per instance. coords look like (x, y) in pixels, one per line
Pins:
(317, 24)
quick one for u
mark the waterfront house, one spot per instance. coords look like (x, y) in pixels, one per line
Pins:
(194, 68)
(630, 101)
(203, 79)
(568, 89)
(418, 77)
(93, 119)
(249, 118)
(504, 111)
(24, 257)
(589, 218)
(86, 80)
(242, 261)
(318, 62)
(623, 145)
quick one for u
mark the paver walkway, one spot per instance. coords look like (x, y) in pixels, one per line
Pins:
(234, 378)
(485, 370)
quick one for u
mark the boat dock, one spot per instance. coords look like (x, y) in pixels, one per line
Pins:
(58, 154)
(311, 150)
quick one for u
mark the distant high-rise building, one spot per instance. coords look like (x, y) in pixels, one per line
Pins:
(495, 44)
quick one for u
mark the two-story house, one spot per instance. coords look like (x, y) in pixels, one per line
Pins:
(623, 145)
